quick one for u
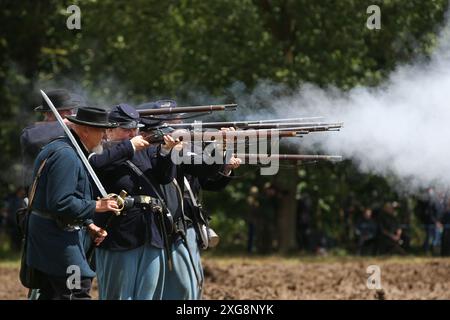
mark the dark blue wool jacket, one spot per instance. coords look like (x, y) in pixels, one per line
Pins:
(64, 190)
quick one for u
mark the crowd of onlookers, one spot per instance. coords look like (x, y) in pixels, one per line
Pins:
(384, 227)
(411, 224)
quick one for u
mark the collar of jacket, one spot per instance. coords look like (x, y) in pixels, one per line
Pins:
(80, 143)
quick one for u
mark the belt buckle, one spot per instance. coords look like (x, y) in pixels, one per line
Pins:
(146, 199)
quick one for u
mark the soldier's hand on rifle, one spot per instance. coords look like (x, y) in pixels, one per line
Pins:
(97, 234)
(106, 205)
(139, 143)
(227, 129)
(234, 163)
(170, 143)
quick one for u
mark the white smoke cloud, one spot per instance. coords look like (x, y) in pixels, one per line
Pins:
(401, 128)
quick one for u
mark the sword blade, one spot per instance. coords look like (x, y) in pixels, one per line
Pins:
(77, 147)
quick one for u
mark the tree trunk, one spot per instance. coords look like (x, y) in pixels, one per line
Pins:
(286, 183)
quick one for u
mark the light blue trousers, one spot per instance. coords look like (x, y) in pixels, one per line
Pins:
(142, 273)
(185, 280)
(136, 274)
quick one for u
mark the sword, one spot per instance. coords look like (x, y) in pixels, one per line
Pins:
(119, 198)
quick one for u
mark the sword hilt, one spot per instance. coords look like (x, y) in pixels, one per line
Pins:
(120, 199)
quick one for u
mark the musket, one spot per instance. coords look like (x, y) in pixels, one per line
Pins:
(285, 120)
(119, 198)
(210, 136)
(287, 157)
(301, 129)
(304, 126)
(189, 109)
(240, 124)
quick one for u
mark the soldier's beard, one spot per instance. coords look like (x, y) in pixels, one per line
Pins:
(98, 149)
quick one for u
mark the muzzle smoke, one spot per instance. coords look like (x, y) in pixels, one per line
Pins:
(400, 128)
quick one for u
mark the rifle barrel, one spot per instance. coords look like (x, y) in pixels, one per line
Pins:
(288, 157)
(295, 124)
(189, 109)
(251, 125)
(286, 120)
(157, 136)
(246, 133)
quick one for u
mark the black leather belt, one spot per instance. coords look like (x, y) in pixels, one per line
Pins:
(144, 202)
(41, 214)
(143, 199)
(62, 225)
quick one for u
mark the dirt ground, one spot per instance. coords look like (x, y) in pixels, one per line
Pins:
(310, 278)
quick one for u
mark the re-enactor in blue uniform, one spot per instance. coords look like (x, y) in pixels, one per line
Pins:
(38, 134)
(131, 261)
(185, 280)
(63, 203)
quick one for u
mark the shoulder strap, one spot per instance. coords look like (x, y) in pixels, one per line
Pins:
(38, 175)
(191, 194)
(180, 194)
(35, 183)
(139, 172)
